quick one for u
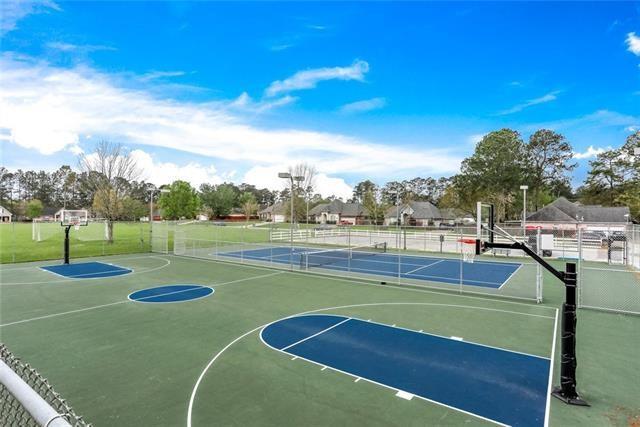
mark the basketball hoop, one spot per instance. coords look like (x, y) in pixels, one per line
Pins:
(468, 250)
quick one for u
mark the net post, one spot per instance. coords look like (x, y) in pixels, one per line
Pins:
(568, 363)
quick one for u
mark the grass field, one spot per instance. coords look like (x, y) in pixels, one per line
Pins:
(17, 245)
(129, 363)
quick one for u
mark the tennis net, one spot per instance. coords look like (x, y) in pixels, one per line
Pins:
(332, 256)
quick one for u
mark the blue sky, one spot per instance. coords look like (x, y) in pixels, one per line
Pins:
(209, 91)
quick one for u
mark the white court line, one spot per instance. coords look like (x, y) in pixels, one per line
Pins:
(358, 378)
(549, 386)
(510, 276)
(208, 366)
(73, 276)
(316, 334)
(424, 266)
(476, 295)
(48, 316)
(82, 279)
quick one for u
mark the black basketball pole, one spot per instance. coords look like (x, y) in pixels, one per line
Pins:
(66, 244)
(568, 363)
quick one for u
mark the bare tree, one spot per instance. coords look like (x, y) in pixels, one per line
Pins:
(110, 169)
(305, 186)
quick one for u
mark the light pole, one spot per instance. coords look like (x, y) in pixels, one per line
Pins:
(291, 178)
(524, 189)
(308, 194)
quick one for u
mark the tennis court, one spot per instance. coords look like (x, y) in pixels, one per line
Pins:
(177, 341)
(369, 260)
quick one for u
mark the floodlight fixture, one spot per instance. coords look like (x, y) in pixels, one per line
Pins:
(284, 175)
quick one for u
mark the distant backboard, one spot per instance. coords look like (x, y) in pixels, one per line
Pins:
(73, 217)
(485, 223)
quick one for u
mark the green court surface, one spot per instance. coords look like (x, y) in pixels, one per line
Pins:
(202, 363)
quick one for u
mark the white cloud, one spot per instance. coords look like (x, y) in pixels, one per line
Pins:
(364, 105)
(12, 11)
(590, 152)
(69, 47)
(308, 79)
(551, 96)
(154, 75)
(600, 118)
(632, 128)
(245, 102)
(267, 176)
(633, 43)
(475, 138)
(166, 172)
(47, 108)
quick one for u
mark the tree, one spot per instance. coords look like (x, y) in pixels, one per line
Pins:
(301, 190)
(549, 159)
(362, 188)
(133, 209)
(248, 204)
(34, 208)
(219, 199)
(495, 171)
(181, 201)
(108, 170)
(373, 205)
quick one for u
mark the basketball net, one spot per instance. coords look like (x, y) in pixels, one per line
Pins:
(468, 250)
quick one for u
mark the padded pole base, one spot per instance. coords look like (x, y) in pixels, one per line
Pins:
(573, 400)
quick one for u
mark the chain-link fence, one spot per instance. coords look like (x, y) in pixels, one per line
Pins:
(612, 282)
(28, 399)
(35, 241)
(428, 258)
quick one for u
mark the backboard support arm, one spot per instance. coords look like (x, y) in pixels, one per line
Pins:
(567, 390)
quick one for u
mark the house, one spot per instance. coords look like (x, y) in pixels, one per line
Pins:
(5, 215)
(339, 212)
(273, 213)
(419, 214)
(565, 215)
(454, 216)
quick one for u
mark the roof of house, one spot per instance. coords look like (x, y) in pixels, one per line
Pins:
(5, 211)
(339, 207)
(417, 210)
(562, 210)
(275, 209)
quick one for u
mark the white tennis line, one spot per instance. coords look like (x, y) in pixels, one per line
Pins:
(316, 334)
(424, 266)
(68, 279)
(217, 355)
(510, 276)
(48, 316)
(549, 386)
(504, 299)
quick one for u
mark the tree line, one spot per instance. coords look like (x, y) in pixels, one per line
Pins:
(107, 182)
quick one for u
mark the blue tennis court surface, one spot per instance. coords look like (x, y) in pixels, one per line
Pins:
(87, 270)
(495, 384)
(446, 270)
